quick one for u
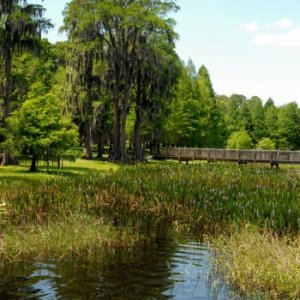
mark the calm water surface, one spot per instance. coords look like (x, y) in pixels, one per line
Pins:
(168, 269)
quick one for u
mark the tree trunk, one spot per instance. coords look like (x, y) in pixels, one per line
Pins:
(127, 88)
(8, 160)
(155, 135)
(138, 153)
(7, 81)
(123, 131)
(101, 146)
(154, 145)
(88, 154)
(116, 138)
(115, 155)
(7, 157)
(33, 167)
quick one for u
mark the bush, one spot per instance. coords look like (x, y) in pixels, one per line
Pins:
(266, 144)
(240, 140)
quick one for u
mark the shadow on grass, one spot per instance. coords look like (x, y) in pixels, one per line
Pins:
(70, 169)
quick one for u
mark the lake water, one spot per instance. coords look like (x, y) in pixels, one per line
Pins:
(171, 268)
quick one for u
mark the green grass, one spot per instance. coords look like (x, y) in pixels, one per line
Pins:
(78, 236)
(259, 263)
(208, 196)
(20, 173)
(79, 167)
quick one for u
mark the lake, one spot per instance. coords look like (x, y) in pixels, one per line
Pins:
(174, 266)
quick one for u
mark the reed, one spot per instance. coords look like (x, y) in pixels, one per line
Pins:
(259, 264)
(208, 196)
(213, 194)
(77, 236)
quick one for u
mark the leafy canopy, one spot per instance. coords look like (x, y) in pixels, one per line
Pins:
(266, 144)
(40, 125)
(240, 140)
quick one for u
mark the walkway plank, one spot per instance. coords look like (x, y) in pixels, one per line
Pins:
(274, 157)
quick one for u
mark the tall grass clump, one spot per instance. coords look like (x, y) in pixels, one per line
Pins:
(259, 264)
(78, 236)
(214, 194)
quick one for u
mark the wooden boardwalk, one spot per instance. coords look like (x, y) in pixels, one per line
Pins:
(274, 158)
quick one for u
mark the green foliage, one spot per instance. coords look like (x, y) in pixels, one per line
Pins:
(233, 112)
(186, 123)
(196, 117)
(205, 84)
(266, 144)
(120, 78)
(245, 121)
(240, 140)
(289, 127)
(271, 120)
(40, 126)
(258, 118)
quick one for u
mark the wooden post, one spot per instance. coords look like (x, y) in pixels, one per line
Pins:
(274, 164)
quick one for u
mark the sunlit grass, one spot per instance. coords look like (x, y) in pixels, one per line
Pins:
(20, 173)
(259, 262)
(84, 165)
(78, 236)
(202, 195)
(79, 167)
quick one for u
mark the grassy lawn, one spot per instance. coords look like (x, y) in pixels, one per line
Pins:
(79, 167)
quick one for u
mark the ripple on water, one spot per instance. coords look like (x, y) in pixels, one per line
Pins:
(168, 270)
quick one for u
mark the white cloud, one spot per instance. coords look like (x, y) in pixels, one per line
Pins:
(280, 33)
(289, 39)
(283, 23)
(251, 27)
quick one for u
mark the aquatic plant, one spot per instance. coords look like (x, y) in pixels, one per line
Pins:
(259, 264)
(77, 236)
(201, 195)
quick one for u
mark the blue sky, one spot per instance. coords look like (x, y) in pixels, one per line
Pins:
(249, 47)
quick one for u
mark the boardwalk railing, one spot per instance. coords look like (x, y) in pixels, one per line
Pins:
(241, 156)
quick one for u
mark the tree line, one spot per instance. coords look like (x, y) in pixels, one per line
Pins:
(117, 84)
(200, 118)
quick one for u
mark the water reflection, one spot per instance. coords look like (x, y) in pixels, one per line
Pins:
(167, 269)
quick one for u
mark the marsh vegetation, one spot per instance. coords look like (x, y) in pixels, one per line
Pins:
(79, 213)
